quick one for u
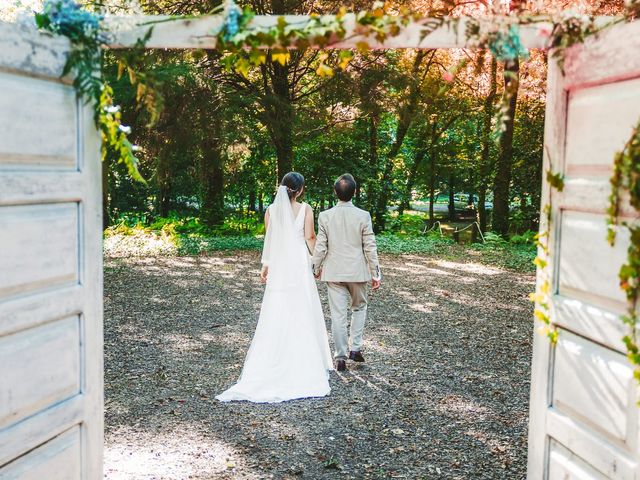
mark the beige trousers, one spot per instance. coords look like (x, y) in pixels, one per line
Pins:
(342, 296)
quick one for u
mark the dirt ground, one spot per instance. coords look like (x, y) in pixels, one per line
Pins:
(443, 393)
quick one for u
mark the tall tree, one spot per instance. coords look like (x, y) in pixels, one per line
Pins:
(427, 149)
(212, 179)
(406, 114)
(501, 196)
(485, 138)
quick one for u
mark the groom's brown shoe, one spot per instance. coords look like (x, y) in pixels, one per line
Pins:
(341, 365)
(356, 356)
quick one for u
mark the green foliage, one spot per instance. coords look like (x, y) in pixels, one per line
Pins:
(87, 34)
(194, 245)
(83, 29)
(114, 135)
(407, 224)
(246, 41)
(526, 238)
(143, 74)
(626, 179)
(493, 240)
(245, 223)
(523, 218)
(136, 235)
(428, 244)
(512, 255)
(541, 297)
(571, 29)
(555, 180)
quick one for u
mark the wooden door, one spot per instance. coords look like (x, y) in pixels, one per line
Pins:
(584, 415)
(50, 267)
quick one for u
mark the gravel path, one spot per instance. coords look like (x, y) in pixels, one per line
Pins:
(443, 393)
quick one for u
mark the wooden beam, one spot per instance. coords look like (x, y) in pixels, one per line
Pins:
(597, 60)
(201, 32)
(26, 51)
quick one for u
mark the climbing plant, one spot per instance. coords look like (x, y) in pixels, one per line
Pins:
(542, 295)
(245, 43)
(626, 181)
(87, 34)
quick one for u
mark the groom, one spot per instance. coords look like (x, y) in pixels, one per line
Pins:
(346, 257)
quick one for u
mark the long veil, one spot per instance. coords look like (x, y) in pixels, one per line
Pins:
(279, 248)
(289, 355)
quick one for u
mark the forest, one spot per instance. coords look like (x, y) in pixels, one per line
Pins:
(436, 139)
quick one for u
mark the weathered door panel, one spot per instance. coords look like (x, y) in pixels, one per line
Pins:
(584, 414)
(50, 267)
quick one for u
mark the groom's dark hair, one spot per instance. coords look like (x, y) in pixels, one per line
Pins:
(345, 187)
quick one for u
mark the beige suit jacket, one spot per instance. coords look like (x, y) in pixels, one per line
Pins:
(346, 248)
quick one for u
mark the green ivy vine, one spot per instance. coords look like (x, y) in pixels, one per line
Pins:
(87, 34)
(245, 43)
(626, 181)
(542, 295)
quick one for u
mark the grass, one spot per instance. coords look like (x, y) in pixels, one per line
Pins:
(188, 237)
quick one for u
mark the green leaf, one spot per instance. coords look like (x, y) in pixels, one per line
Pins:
(539, 262)
(556, 180)
(42, 20)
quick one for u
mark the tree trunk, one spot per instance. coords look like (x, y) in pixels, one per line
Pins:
(505, 158)
(163, 174)
(212, 183)
(282, 137)
(252, 200)
(432, 187)
(373, 161)
(279, 114)
(106, 217)
(422, 153)
(452, 200)
(483, 183)
(406, 115)
(411, 178)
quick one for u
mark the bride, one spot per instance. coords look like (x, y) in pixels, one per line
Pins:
(289, 355)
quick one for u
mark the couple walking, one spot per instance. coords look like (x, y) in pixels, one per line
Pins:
(289, 356)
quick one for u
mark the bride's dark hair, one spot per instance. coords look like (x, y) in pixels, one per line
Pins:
(294, 183)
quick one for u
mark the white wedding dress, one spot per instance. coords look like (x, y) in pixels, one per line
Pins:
(289, 356)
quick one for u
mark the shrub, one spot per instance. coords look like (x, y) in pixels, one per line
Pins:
(527, 238)
(408, 224)
(389, 243)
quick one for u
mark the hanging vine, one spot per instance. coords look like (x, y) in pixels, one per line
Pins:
(542, 295)
(87, 34)
(245, 43)
(626, 181)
